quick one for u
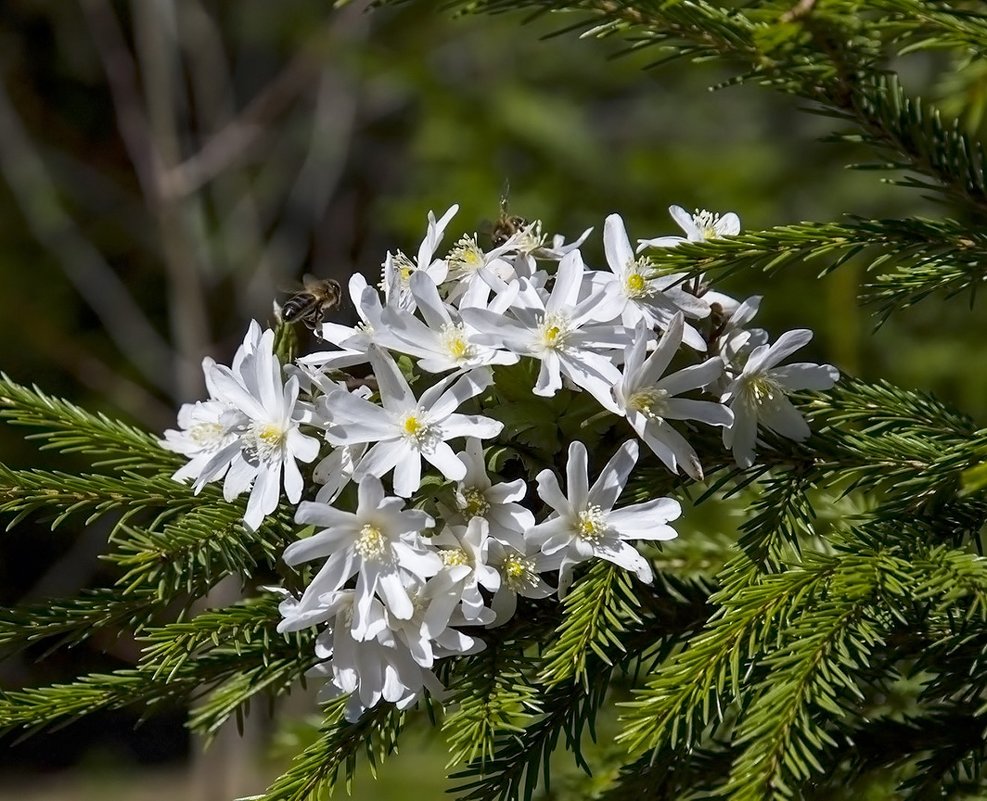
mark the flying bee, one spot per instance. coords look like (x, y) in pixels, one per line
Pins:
(507, 224)
(313, 302)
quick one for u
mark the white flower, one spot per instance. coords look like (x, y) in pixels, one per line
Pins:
(207, 427)
(758, 394)
(427, 634)
(336, 470)
(647, 398)
(269, 440)
(635, 280)
(564, 335)
(699, 227)
(520, 570)
(478, 496)
(368, 670)
(353, 343)
(406, 429)
(443, 342)
(560, 248)
(467, 547)
(473, 272)
(380, 543)
(585, 524)
(732, 340)
(398, 268)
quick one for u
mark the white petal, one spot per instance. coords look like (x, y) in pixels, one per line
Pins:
(568, 280)
(782, 417)
(468, 386)
(408, 474)
(395, 394)
(627, 557)
(714, 414)
(370, 494)
(668, 346)
(804, 375)
(741, 436)
(728, 225)
(577, 475)
(382, 457)
(549, 379)
(550, 492)
(443, 457)
(685, 220)
(617, 245)
(471, 425)
(264, 496)
(649, 514)
(692, 377)
(607, 488)
(787, 344)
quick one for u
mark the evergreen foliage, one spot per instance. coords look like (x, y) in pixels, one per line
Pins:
(855, 576)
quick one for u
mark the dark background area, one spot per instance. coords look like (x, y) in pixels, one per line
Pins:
(169, 168)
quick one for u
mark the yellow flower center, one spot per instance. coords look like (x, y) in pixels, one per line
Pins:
(474, 503)
(592, 524)
(454, 557)
(706, 222)
(412, 426)
(371, 543)
(762, 389)
(649, 402)
(554, 331)
(455, 342)
(466, 256)
(268, 440)
(206, 433)
(635, 284)
(518, 572)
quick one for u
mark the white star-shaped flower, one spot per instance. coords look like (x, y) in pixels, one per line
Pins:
(380, 543)
(398, 268)
(369, 670)
(759, 394)
(699, 227)
(569, 338)
(269, 440)
(443, 342)
(468, 547)
(647, 297)
(646, 397)
(405, 429)
(478, 496)
(585, 524)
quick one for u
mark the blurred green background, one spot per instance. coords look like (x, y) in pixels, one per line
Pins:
(168, 167)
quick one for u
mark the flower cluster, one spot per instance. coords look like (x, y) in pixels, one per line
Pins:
(416, 544)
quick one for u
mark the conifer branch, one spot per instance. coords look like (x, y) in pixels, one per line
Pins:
(67, 428)
(191, 552)
(925, 256)
(596, 613)
(840, 71)
(26, 492)
(74, 619)
(492, 696)
(521, 759)
(247, 655)
(315, 770)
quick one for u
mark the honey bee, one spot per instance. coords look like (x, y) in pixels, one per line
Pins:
(313, 302)
(507, 224)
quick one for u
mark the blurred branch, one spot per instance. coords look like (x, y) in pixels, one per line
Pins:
(121, 76)
(181, 229)
(82, 263)
(333, 122)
